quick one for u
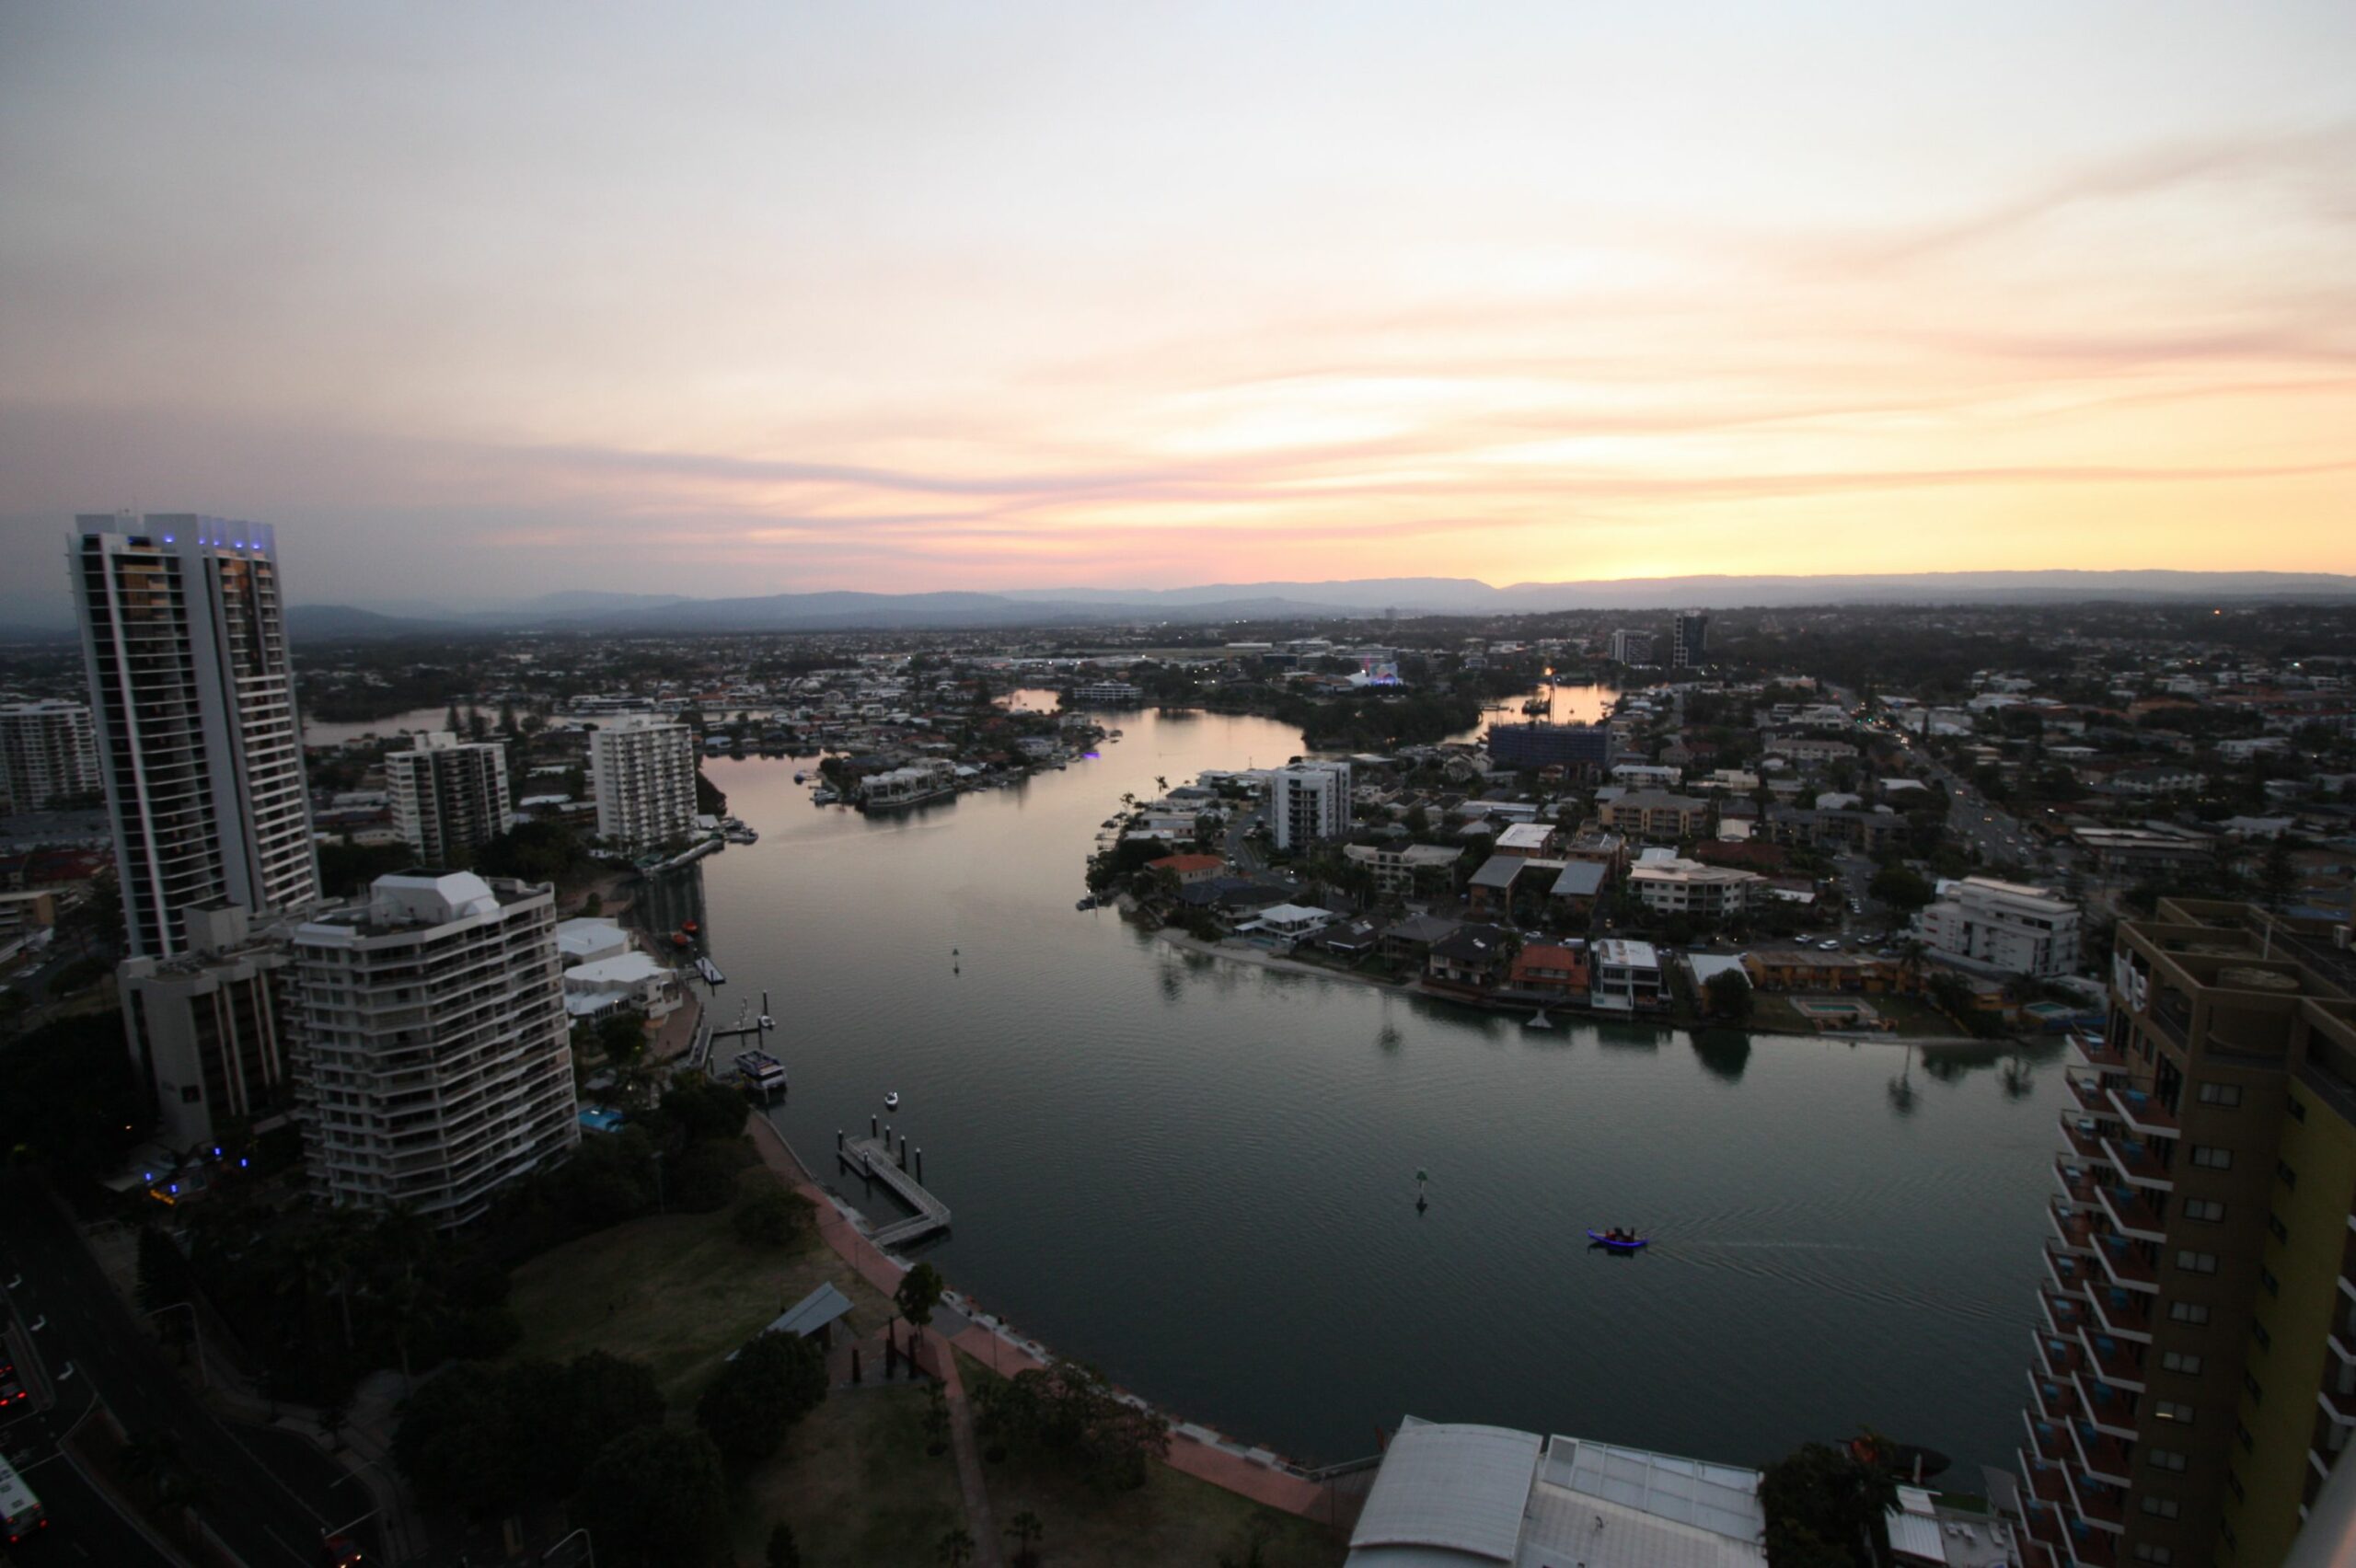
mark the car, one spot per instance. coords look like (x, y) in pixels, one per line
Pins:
(1830, 944)
(11, 1390)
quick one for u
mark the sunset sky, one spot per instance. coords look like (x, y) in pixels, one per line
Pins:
(485, 300)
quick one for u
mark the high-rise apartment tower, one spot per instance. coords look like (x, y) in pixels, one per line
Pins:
(2194, 1378)
(192, 698)
(449, 797)
(643, 771)
(1689, 639)
(48, 754)
(436, 1065)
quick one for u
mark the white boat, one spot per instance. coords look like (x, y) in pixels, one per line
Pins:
(768, 1023)
(1538, 1020)
(891, 1101)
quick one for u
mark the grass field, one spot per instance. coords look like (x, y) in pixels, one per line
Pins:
(1173, 1521)
(854, 1482)
(677, 1292)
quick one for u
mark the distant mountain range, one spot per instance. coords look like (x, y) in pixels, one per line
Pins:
(582, 610)
(1373, 597)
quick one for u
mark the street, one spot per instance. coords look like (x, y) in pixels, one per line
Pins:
(269, 1494)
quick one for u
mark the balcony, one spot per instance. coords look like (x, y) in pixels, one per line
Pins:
(2075, 1227)
(2065, 1315)
(2089, 1547)
(2126, 1264)
(2091, 1099)
(2045, 1483)
(2105, 1458)
(2078, 1180)
(2107, 1411)
(2059, 1359)
(2131, 1215)
(2048, 1441)
(2050, 1400)
(2092, 1050)
(2112, 1360)
(2339, 1406)
(2082, 1136)
(2144, 1113)
(2122, 1312)
(2100, 1504)
(2072, 1276)
(2137, 1165)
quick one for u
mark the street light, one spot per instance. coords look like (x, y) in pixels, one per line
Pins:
(588, 1546)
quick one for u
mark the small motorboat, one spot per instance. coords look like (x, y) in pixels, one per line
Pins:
(891, 1101)
(768, 1023)
(688, 927)
(1619, 1240)
(678, 939)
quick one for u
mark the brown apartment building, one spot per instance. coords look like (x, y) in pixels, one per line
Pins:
(2194, 1372)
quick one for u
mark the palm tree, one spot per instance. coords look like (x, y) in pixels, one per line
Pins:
(1026, 1529)
(956, 1548)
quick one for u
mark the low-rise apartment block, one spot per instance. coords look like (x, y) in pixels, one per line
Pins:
(2003, 926)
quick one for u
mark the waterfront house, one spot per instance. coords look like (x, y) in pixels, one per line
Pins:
(1411, 940)
(1809, 969)
(1403, 869)
(1628, 976)
(1545, 970)
(1188, 869)
(1469, 960)
(1286, 922)
(1350, 939)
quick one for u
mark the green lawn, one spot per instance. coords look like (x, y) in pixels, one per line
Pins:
(676, 1291)
(856, 1484)
(1173, 1521)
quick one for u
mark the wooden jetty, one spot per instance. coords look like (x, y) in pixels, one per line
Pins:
(873, 1158)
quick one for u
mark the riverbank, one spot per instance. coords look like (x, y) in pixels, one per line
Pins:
(1194, 1450)
(1264, 958)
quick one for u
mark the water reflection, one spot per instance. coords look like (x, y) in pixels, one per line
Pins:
(1724, 1053)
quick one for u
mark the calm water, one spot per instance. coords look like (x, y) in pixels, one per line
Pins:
(1200, 1175)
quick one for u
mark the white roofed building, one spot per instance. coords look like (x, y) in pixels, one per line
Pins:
(1462, 1496)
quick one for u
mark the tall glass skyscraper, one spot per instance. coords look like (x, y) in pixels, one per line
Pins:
(183, 631)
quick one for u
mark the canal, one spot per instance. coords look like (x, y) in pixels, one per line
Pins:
(1200, 1174)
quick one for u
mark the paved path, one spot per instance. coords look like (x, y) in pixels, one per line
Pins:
(978, 1518)
(1220, 1465)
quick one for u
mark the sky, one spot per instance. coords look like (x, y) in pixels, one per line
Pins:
(475, 302)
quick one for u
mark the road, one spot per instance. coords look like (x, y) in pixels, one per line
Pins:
(269, 1493)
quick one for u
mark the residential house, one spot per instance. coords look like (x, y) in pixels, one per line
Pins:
(1469, 960)
(1628, 976)
(1547, 970)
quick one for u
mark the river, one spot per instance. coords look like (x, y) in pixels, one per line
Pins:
(1200, 1174)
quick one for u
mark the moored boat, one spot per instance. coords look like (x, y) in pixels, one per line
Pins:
(1619, 1241)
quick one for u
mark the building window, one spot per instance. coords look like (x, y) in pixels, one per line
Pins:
(2170, 1409)
(2161, 1507)
(2168, 1459)
(2221, 1094)
(2203, 1208)
(2188, 1313)
(2275, 1228)
(2298, 1108)
(2208, 1157)
(2197, 1262)
(2157, 1555)
(2179, 1361)
(2285, 1175)
(2273, 1285)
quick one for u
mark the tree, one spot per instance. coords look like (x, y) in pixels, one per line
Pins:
(956, 1548)
(458, 1445)
(1729, 995)
(1823, 1502)
(1026, 1527)
(772, 1215)
(753, 1401)
(654, 1497)
(783, 1551)
(1066, 1415)
(918, 1294)
(1902, 887)
(2276, 875)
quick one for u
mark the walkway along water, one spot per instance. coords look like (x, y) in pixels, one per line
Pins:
(1194, 1450)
